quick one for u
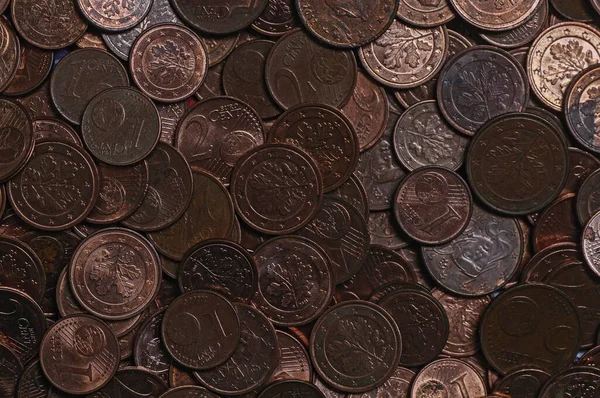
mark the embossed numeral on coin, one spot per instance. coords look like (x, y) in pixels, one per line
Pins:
(459, 382)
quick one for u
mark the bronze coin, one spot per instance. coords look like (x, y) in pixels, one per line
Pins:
(148, 349)
(548, 259)
(575, 10)
(463, 267)
(291, 388)
(21, 268)
(51, 129)
(433, 205)
(132, 381)
(588, 201)
(33, 68)
(48, 24)
(170, 190)
(448, 377)
(425, 13)
(493, 15)
(201, 329)
(114, 15)
(590, 358)
(301, 70)
(210, 215)
(33, 383)
(170, 115)
(256, 357)
(39, 103)
(294, 363)
(57, 188)
(557, 224)
(326, 135)
(11, 371)
(16, 134)
(405, 56)
(581, 165)
(215, 133)
(168, 62)
(295, 280)
(221, 266)
(347, 24)
(188, 392)
(179, 376)
(276, 189)
(533, 179)
(82, 75)
(385, 231)
(534, 322)
(397, 386)
(524, 383)
(278, 18)
(579, 103)
(355, 346)
(122, 190)
(583, 381)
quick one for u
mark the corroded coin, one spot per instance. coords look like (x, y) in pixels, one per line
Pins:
(33, 67)
(51, 129)
(579, 107)
(132, 381)
(449, 377)
(525, 383)
(11, 371)
(188, 392)
(494, 15)
(355, 346)
(277, 18)
(148, 349)
(168, 62)
(583, 381)
(114, 15)
(33, 383)
(16, 135)
(291, 388)
(557, 224)
(294, 363)
(405, 56)
(588, 200)
(201, 329)
(21, 268)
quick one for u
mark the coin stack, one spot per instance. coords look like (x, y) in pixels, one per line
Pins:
(300, 198)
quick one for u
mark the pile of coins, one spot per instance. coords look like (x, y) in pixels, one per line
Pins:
(299, 198)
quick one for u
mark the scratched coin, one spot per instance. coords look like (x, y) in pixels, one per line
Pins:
(278, 18)
(33, 67)
(525, 383)
(579, 102)
(557, 224)
(132, 381)
(16, 136)
(114, 15)
(294, 363)
(148, 348)
(188, 392)
(583, 381)
(588, 201)
(201, 329)
(21, 268)
(495, 16)
(291, 388)
(11, 371)
(33, 383)
(51, 129)
(448, 377)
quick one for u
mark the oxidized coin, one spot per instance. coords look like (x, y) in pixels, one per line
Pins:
(579, 107)
(201, 329)
(494, 15)
(517, 163)
(347, 24)
(276, 189)
(536, 323)
(588, 198)
(397, 386)
(557, 56)
(575, 10)
(216, 132)
(425, 13)
(57, 188)
(422, 137)
(50, 129)
(47, 24)
(33, 383)
(405, 56)
(278, 18)
(188, 392)
(557, 224)
(132, 381)
(581, 164)
(221, 266)
(33, 68)
(21, 268)
(577, 381)
(300, 70)
(11, 371)
(122, 190)
(355, 346)
(291, 388)
(448, 377)
(120, 126)
(170, 190)
(294, 363)
(433, 205)
(115, 274)
(114, 15)
(79, 354)
(481, 259)
(353, 192)
(210, 215)
(148, 348)
(326, 135)
(168, 62)
(524, 383)
(16, 135)
(82, 75)
(256, 357)
(478, 84)
(295, 280)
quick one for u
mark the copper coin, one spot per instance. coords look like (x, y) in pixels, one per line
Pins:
(448, 377)
(548, 259)
(51, 129)
(276, 188)
(478, 84)
(221, 266)
(57, 188)
(21, 268)
(132, 381)
(391, 288)
(122, 190)
(557, 224)
(557, 55)
(291, 388)
(493, 15)
(213, 84)
(590, 358)
(114, 15)
(4, 5)
(91, 39)
(33, 68)
(33, 383)
(581, 165)
(188, 392)
(294, 363)
(39, 103)
(425, 13)
(295, 280)
(355, 346)
(170, 115)
(11, 371)
(583, 381)
(80, 76)
(83, 230)
(327, 391)
(535, 322)
(353, 192)
(405, 56)
(588, 201)
(148, 349)
(209, 216)
(480, 260)
(538, 167)
(179, 376)
(525, 383)
(168, 62)
(577, 10)
(48, 24)
(170, 190)
(16, 135)
(326, 135)
(398, 385)
(216, 132)
(301, 70)
(464, 314)
(201, 329)
(347, 24)
(251, 239)
(433, 205)
(579, 102)
(278, 18)
(385, 231)
(219, 48)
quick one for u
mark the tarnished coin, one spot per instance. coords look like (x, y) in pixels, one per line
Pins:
(188, 392)
(291, 388)
(525, 383)
(478, 84)
(91, 39)
(218, 48)
(33, 67)
(216, 132)
(490, 15)
(355, 346)
(581, 165)
(588, 200)
(548, 259)
(11, 371)
(115, 274)
(591, 243)
(590, 358)
(170, 115)
(114, 15)
(575, 10)
(517, 163)
(425, 13)
(179, 376)
(168, 62)
(132, 381)
(327, 391)
(21, 268)
(448, 377)
(39, 103)
(538, 323)
(201, 329)
(462, 267)
(57, 188)
(353, 192)
(405, 56)
(213, 84)
(16, 135)
(557, 56)
(579, 107)
(278, 18)
(583, 381)
(300, 70)
(398, 386)
(50, 129)
(82, 75)
(33, 383)
(4, 5)
(557, 224)
(48, 24)
(294, 363)
(2, 199)
(148, 349)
